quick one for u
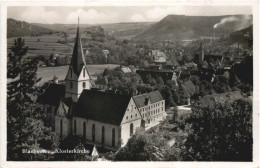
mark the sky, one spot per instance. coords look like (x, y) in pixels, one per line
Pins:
(115, 14)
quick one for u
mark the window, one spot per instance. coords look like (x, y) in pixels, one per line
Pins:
(103, 135)
(84, 84)
(131, 116)
(93, 132)
(83, 72)
(75, 126)
(61, 128)
(131, 129)
(127, 117)
(113, 137)
(135, 115)
(71, 72)
(84, 130)
(71, 85)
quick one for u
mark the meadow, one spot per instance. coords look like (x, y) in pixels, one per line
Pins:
(43, 45)
(47, 73)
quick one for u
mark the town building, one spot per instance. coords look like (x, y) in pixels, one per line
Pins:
(186, 90)
(151, 107)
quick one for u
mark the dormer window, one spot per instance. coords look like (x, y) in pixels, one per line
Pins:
(127, 117)
(71, 85)
(84, 84)
(71, 72)
(83, 72)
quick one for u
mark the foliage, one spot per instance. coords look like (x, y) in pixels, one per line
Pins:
(142, 146)
(24, 129)
(222, 133)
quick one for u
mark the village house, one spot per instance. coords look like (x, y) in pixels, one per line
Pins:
(186, 90)
(158, 56)
(151, 107)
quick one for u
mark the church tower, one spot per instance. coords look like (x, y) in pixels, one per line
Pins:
(77, 77)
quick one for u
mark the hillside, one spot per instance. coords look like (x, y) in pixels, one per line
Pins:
(126, 30)
(180, 27)
(119, 30)
(17, 28)
(244, 36)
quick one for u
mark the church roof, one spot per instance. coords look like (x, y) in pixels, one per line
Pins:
(78, 59)
(140, 100)
(102, 106)
(52, 95)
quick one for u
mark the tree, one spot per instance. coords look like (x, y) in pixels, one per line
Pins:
(24, 129)
(220, 133)
(143, 146)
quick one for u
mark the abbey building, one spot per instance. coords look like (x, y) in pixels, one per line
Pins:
(101, 118)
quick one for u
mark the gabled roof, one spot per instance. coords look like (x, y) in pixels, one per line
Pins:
(102, 106)
(78, 59)
(140, 100)
(52, 95)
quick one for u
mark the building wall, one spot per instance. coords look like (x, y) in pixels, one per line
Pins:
(77, 83)
(153, 112)
(125, 130)
(50, 111)
(132, 116)
(66, 126)
(98, 131)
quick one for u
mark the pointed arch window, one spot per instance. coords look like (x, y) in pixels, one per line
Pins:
(103, 135)
(131, 129)
(84, 130)
(75, 126)
(113, 137)
(84, 73)
(61, 128)
(93, 132)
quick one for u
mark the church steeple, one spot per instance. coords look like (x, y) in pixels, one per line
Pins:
(78, 59)
(77, 78)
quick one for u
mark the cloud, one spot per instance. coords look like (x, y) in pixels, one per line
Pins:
(157, 13)
(91, 16)
(39, 15)
(137, 18)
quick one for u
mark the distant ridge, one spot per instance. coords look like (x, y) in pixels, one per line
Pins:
(181, 27)
(17, 28)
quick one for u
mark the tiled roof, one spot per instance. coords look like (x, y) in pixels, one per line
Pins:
(52, 95)
(102, 106)
(140, 100)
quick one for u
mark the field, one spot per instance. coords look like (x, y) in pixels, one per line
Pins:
(43, 45)
(47, 73)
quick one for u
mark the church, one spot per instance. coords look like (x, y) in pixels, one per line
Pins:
(101, 118)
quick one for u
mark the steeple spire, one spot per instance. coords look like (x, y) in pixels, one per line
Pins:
(78, 59)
